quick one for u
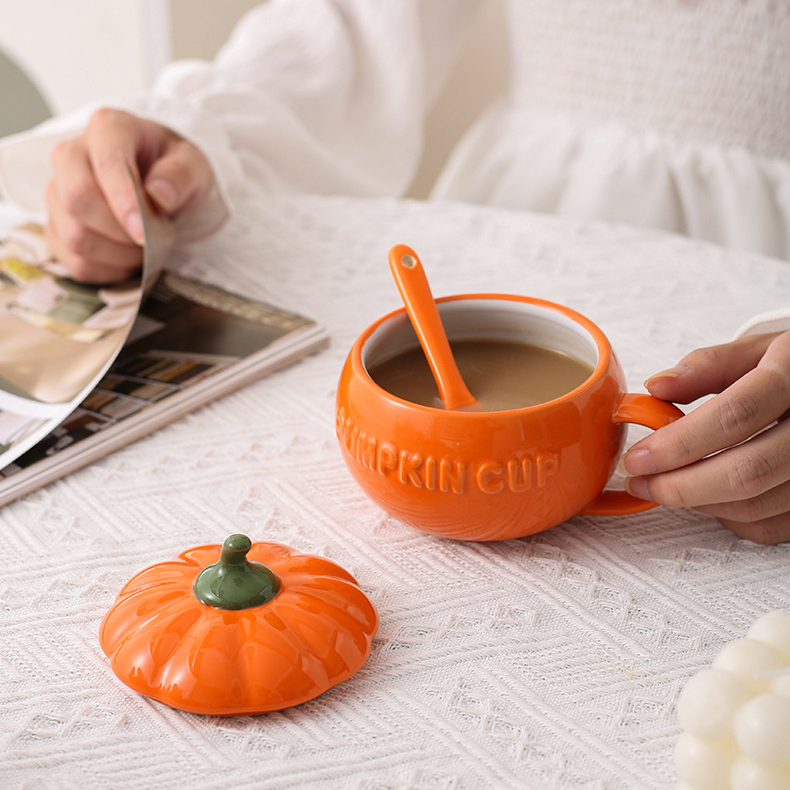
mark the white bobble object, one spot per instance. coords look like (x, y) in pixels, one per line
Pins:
(703, 764)
(708, 702)
(762, 729)
(773, 629)
(735, 714)
(749, 660)
(747, 774)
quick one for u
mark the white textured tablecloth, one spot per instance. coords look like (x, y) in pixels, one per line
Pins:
(549, 662)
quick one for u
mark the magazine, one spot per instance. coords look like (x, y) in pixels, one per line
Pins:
(87, 369)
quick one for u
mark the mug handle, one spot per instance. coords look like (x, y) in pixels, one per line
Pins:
(642, 410)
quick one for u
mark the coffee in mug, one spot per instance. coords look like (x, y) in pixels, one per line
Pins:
(501, 374)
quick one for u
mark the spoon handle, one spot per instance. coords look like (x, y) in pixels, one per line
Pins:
(421, 308)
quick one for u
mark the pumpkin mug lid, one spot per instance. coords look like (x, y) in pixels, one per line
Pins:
(238, 629)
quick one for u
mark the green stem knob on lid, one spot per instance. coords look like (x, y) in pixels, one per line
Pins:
(234, 582)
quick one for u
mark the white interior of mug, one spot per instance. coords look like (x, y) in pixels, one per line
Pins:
(488, 319)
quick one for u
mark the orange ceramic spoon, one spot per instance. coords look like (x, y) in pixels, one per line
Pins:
(421, 307)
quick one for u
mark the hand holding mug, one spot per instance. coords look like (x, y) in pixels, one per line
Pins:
(729, 457)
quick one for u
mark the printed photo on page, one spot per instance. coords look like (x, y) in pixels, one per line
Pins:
(57, 336)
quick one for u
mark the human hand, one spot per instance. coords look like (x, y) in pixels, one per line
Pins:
(730, 457)
(94, 226)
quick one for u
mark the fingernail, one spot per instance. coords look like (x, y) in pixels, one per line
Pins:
(669, 373)
(638, 461)
(163, 193)
(134, 227)
(637, 486)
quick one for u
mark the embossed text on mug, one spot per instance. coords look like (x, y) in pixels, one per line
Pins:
(519, 473)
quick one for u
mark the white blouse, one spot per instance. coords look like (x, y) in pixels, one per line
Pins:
(670, 114)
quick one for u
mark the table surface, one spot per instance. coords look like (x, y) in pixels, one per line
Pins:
(553, 661)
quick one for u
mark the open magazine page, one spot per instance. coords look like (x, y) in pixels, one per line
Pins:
(57, 337)
(186, 332)
(168, 345)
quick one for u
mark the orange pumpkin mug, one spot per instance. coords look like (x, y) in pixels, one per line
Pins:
(492, 475)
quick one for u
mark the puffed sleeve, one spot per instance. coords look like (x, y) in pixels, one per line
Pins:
(307, 96)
